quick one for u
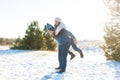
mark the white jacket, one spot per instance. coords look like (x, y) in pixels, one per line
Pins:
(59, 28)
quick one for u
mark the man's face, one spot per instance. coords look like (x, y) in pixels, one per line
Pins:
(57, 23)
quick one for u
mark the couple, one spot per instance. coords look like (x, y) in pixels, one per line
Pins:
(64, 39)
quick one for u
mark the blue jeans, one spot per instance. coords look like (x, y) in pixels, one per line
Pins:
(62, 55)
(74, 46)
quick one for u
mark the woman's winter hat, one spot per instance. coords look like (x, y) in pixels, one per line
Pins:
(50, 27)
(58, 19)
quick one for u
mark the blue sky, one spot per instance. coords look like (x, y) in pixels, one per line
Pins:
(82, 17)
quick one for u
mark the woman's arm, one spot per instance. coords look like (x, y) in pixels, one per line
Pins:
(52, 33)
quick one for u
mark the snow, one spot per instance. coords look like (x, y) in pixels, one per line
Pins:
(39, 65)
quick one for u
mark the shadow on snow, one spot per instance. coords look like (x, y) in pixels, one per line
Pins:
(9, 52)
(116, 66)
(53, 76)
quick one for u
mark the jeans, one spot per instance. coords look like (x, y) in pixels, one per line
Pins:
(62, 55)
(74, 46)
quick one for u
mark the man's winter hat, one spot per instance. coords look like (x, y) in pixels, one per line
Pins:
(58, 19)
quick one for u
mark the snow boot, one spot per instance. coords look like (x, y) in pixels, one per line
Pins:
(72, 55)
(81, 54)
(57, 68)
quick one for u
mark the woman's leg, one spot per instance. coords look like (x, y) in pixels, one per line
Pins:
(74, 46)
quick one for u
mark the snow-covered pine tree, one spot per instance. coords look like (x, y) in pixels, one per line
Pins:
(112, 30)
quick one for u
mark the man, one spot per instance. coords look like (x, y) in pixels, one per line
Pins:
(63, 45)
(64, 38)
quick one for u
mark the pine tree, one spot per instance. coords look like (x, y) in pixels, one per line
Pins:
(33, 39)
(112, 29)
(34, 36)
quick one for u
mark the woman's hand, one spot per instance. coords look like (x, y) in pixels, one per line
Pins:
(51, 32)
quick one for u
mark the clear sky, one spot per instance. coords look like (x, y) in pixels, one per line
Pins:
(82, 17)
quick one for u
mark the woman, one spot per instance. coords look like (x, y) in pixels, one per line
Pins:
(71, 36)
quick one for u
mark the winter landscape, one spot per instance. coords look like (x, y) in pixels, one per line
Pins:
(39, 65)
(28, 50)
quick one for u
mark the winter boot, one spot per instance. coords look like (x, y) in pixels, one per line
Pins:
(81, 54)
(57, 68)
(72, 55)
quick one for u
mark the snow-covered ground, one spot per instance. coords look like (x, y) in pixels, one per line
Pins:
(39, 65)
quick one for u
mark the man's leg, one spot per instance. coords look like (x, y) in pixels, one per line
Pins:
(59, 56)
(64, 56)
